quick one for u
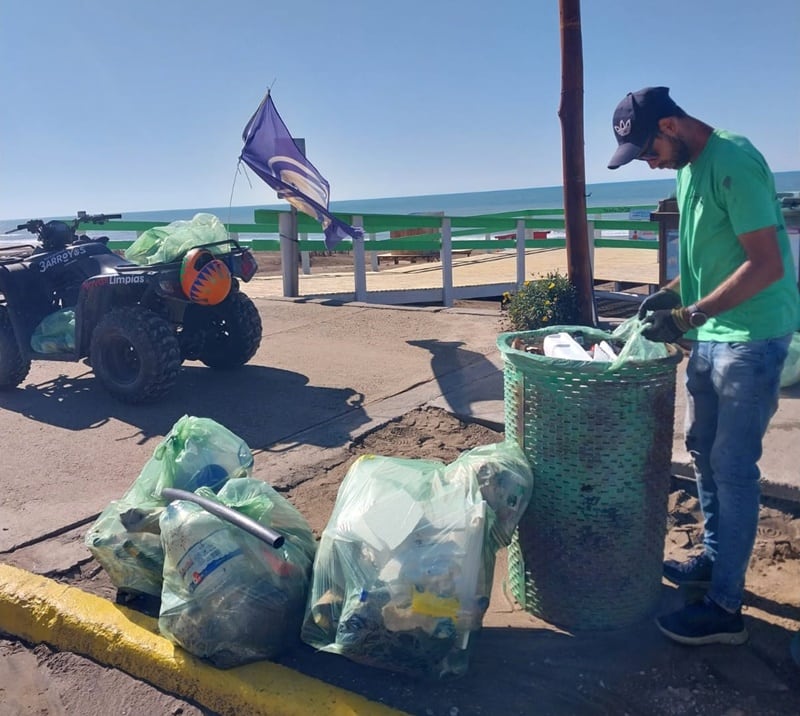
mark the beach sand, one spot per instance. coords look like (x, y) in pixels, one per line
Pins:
(269, 262)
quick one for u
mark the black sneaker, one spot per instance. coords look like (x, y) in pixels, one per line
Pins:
(704, 623)
(694, 572)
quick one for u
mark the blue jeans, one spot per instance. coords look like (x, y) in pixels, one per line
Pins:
(732, 392)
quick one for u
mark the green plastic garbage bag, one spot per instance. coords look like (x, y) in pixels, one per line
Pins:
(791, 368)
(163, 244)
(228, 596)
(125, 539)
(505, 480)
(637, 347)
(404, 569)
(56, 333)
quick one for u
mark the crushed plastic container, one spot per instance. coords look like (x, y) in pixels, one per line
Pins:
(603, 352)
(563, 345)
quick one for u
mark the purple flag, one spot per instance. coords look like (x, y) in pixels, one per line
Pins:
(270, 152)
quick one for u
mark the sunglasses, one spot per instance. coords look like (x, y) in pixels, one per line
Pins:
(647, 154)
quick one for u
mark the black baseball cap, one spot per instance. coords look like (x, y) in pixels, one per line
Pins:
(636, 121)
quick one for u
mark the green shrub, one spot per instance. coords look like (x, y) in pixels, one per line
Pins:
(548, 301)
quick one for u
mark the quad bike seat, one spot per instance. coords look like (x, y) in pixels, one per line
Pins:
(105, 264)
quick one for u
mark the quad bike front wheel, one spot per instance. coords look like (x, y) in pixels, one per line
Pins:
(13, 365)
(135, 354)
(223, 336)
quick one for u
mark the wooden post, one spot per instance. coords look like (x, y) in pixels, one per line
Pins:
(574, 171)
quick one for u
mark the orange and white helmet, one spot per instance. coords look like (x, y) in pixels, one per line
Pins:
(204, 279)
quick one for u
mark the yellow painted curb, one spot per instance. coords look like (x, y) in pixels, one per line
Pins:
(38, 609)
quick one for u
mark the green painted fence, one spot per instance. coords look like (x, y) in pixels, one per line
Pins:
(257, 234)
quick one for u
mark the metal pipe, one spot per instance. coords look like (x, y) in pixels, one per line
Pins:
(271, 537)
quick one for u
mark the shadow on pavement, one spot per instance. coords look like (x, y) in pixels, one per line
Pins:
(791, 391)
(260, 404)
(511, 671)
(452, 365)
(634, 671)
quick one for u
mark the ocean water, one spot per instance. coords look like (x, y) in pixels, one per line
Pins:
(630, 193)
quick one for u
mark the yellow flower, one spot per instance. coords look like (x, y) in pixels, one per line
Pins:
(552, 285)
(544, 319)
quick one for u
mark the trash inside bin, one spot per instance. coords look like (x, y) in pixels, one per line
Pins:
(598, 436)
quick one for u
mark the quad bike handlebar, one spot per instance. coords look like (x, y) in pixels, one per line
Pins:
(57, 233)
(35, 226)
(84, 218)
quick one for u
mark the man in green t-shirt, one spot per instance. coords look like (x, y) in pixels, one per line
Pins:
(736, 299)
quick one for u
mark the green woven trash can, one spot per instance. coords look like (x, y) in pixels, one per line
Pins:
(588, 551)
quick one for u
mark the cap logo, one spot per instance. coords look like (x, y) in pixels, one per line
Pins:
(623, 129)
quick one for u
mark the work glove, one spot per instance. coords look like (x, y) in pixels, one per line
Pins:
(665, 298)
(665, 326)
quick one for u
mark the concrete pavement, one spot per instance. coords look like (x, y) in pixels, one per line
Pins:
(325, 374)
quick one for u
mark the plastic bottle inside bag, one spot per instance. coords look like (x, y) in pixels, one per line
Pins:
(563, 345)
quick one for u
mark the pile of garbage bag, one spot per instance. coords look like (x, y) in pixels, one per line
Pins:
(404, 569)
(400, 580)
(225, 594)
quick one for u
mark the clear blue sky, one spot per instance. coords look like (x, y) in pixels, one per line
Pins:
(129, 106)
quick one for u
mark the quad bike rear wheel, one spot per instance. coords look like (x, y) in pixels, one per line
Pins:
(223, 336)
(135, 354)
(14, 367)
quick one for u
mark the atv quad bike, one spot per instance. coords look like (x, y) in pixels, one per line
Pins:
(133, 324)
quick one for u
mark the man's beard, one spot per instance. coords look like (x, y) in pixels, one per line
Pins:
(679, 154)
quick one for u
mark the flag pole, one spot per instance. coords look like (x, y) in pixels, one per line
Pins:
(290, 248)
(291, 281)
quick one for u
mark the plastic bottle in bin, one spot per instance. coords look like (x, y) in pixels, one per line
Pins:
(602, 351)
(563, 345)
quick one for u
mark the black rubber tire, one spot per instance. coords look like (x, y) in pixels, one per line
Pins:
(13, 366)
(231, 332)
(135, 354)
